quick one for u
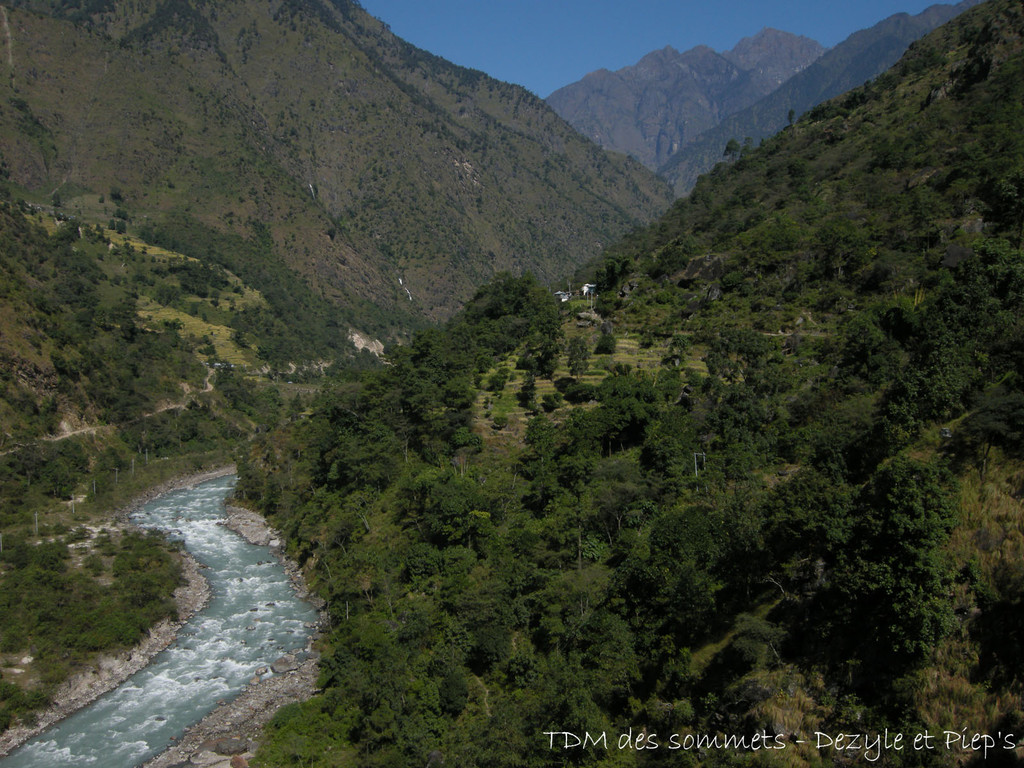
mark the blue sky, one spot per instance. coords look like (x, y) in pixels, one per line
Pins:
(545, 44)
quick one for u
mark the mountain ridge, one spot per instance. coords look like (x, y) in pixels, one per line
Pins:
(651, 108)
(860, 57)
(774, 54)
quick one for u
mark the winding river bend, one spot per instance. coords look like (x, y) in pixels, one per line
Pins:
(252, 619)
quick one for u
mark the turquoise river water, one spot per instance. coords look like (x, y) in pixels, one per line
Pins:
(253, 617)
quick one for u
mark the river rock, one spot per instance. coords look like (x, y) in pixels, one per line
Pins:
(286, 663)
(230, 746)
(206, 759)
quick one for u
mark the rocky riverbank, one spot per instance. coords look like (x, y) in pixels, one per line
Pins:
(254, 528)
(110, 671)
(228, 736)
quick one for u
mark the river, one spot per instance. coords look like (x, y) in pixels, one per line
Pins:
(254, 616)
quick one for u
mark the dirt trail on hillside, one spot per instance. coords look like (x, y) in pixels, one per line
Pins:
(95, 429)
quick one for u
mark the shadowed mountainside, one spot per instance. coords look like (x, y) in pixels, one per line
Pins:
(392, 181)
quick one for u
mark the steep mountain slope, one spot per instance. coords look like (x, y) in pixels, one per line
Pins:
(862, 56)
(766, 490)
(667, 99)
(303, 131)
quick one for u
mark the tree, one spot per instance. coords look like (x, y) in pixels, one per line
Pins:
(997, 421)
(732, 149)
(528, 391)
(891, 582)
(1009, 203)
(577, 356)
(605, 344)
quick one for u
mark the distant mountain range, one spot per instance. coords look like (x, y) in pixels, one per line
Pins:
(667, 99)
(677, 112)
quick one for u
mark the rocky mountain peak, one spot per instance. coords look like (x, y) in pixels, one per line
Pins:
(775, 55)
(652, 108)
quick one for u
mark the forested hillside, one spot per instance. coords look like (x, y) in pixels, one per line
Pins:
(192, 232)
(766, 489)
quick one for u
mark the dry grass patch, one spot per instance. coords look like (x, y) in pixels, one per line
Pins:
(220, 336)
